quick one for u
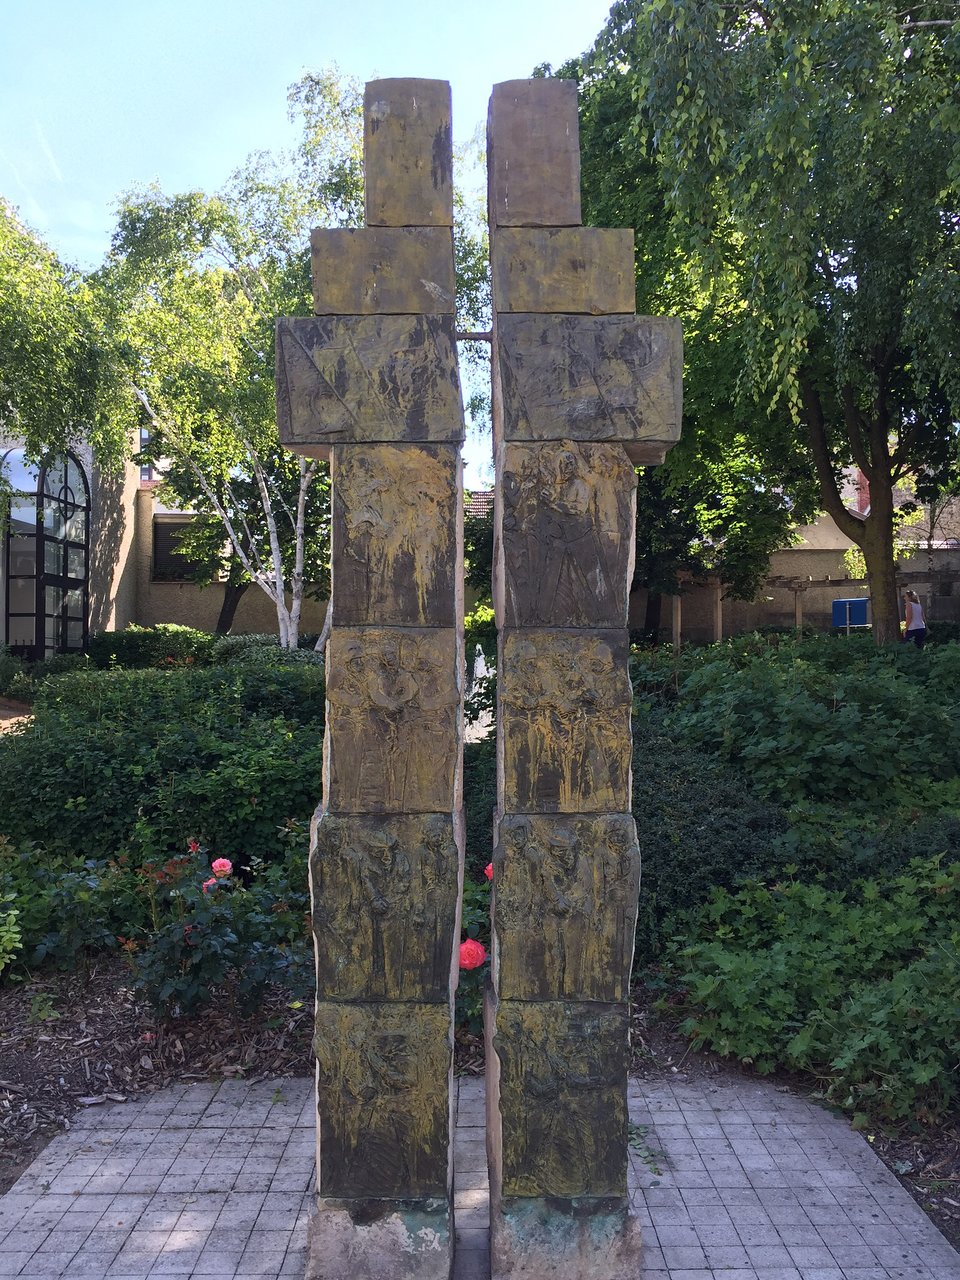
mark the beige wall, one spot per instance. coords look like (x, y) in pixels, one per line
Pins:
(193, 606)
(113, 575)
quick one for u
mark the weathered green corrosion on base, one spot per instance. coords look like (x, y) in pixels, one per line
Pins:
(554, 1238)
(380, 1240)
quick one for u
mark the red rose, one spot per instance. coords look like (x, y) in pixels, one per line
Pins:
(472, 954)
(488, 870)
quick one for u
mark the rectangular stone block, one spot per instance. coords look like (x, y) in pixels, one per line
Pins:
(383, 1073)
(408, 153)
(396, 533)
(566, 907)
(562, 1098)
(385, 893)
(373, 1239)
(533, 154)
(382, 271)
(564, 721)
(614, 378)
(367, 378)
(569, 1238)
(564, 269)
(566, 537)
(393, 716)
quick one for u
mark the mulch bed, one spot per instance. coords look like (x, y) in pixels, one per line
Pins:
(69, 1041)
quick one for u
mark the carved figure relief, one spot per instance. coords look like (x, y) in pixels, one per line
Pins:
(563, 1098)
(384, 906)
(393, 708)
(374, 378)
(567, 534)
(382, 1072)
(394, 534)
(565, 713)
(566, 906)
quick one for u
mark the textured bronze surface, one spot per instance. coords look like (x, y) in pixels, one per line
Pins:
(382, 271)
(567, 534)
(408, 153)
(565, 721)
(382, 1082)
(566, 906)
(590, 378)
(384, 905)
(366, 378)
(533, 154)
(563, 1087)
(564, 269)
(394, 543)
(392, 721)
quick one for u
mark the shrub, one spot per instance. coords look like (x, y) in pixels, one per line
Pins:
(10, 666)
(479, 802)
(165, 645)
(144, 760)
(858, 988)
(11, 939)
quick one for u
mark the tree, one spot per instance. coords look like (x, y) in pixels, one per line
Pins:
(811, 156)
(728, 495)
(59, 374)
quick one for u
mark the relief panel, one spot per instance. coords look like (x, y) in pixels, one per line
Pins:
(384, 907)
(392, 721)
(564, 713)
(591, 378)
(383, 1075)
(563, 1086)
(366, 378)
(394, 539)
(567, 534)
(566, 907)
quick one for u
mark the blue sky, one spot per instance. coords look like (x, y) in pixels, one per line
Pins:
(98, 96)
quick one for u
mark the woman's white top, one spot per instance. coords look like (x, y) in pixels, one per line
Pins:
(917, 622)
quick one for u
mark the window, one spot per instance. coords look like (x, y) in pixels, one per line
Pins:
(45, 563)
(169, 562)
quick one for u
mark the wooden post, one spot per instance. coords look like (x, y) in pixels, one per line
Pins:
(717, 611)
(676, 608)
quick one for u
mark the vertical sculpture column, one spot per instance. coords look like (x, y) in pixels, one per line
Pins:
(583, 390)
(371, 381)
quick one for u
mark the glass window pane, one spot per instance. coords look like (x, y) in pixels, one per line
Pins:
(51, 632)
(77, 525)
(52, 557)
(54, 478)
(53, 600)
(53, 522)
(74, 635)
(22, 631)
(23, 595)
(76, 562)
(22, 475)
(77, 481)
(75, 604)
(23, 556)
(23, 514)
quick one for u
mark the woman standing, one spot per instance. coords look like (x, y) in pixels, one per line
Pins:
(916, 626)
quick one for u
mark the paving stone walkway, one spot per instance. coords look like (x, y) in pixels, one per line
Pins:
(212, 1182)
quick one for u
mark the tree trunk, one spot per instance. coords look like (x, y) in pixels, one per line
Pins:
(651, 620)
(232, 595)
(878, 552)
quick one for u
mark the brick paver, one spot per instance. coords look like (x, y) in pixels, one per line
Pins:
(731, 1181)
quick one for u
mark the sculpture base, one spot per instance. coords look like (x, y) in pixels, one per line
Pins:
(380, 1240)
(550, 1238)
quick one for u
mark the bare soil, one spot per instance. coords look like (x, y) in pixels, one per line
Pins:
(69, 1041)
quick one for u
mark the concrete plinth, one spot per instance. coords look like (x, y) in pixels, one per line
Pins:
(559, 1239)
(380, 1240)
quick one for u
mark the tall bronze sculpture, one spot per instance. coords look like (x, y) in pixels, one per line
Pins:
(371, 382)
(582, 390)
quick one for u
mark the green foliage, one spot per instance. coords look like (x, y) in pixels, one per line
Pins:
(164, 645)
(11, 939)
(829, 722)
(857, 987)
(261, 650)
(479, 802)
(145, 760)
(698, 825)
(480, 634)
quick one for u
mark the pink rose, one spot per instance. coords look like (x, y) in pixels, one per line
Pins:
(209, 884)
(488, 870)
(222, 866)
(472, 954)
